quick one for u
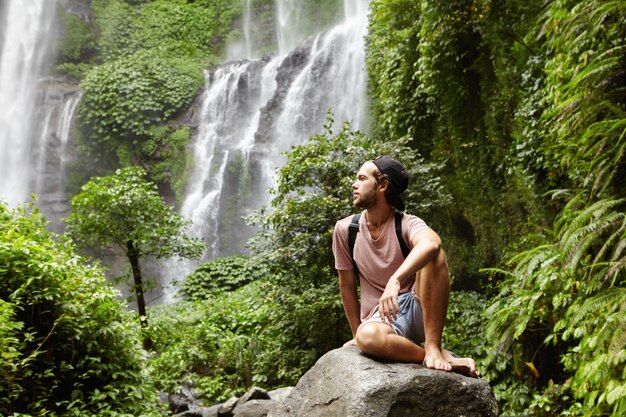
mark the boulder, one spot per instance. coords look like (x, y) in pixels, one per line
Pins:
(257, 402)
(346, 383)
(254, 408)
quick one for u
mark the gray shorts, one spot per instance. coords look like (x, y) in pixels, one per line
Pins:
(409, 322)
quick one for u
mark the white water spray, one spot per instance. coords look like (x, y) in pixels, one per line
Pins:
(25, 52)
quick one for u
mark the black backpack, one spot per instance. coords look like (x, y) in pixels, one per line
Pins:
(353, 229)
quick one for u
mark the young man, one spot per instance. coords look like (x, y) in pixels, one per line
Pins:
(403, 301)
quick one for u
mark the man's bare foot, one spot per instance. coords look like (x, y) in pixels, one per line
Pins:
(464, 366)
(434, 359)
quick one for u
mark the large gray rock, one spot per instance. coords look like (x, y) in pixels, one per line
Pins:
(348, 384)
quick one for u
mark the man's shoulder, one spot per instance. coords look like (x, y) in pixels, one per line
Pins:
(342, 224)
(411, 225)
(406, 217)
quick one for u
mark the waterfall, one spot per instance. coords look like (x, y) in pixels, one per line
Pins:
(287, 25)
(25, 51)
(254, 110)
(53, 152)
(229, 118)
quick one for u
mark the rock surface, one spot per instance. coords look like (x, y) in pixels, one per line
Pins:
(348, 384)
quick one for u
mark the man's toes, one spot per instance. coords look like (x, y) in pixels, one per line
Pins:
(437, 364)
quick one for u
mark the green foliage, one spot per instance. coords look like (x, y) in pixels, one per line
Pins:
(225, 344)
(444, 73)
(167, 151)
(123, 208)
(221, 274)
(464, 333)
(585, 118)
(173, 27)
(123, 99)
(392, 42)
(126, 211)
(78, 43)
(68, 346)
(564, 302)
(123, 110)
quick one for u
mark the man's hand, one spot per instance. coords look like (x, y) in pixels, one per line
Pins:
(388, 303)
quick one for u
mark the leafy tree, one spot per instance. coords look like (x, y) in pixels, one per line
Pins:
(126, 211)
(69, 347)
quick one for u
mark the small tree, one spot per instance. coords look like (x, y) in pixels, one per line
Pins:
(126, 210)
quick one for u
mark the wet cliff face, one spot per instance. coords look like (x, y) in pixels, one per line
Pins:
(55, 149)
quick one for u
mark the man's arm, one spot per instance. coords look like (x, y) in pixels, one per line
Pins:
(349, 297)
(426, 245)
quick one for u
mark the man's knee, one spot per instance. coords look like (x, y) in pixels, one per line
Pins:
(370, 337)
(438, 266)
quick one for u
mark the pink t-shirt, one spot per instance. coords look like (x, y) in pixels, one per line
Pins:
(377, 259)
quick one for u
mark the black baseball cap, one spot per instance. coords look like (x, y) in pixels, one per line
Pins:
(395, 171)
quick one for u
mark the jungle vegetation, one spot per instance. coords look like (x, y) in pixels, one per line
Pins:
(512, 118)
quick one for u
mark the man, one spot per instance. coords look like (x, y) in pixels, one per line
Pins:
(389, 323)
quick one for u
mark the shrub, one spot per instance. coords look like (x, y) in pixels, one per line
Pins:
(68, 347)
(220, 275)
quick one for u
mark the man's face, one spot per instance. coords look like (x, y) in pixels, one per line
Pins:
(365, 190)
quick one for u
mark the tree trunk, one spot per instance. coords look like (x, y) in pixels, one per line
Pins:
(133, 258)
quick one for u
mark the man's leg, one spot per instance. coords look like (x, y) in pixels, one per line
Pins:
(379, 340)
(434, 290)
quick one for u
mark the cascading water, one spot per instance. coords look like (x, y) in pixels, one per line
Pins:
(25, 53)
(230, 116)
(253, 111)
(55, 119)
(287, 25)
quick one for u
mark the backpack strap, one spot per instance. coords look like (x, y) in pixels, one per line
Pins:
(353, 229)
(403, 246)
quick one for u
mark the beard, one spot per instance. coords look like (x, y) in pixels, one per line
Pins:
(366, 201)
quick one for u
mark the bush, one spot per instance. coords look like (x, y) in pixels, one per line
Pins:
(123, 98)
(68, 347)
(219, 275)
(225, 344)
(465, 326)
(125, 106)
(78, 42)
(175, 27)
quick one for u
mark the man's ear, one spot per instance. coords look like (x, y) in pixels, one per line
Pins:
(384, 184)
